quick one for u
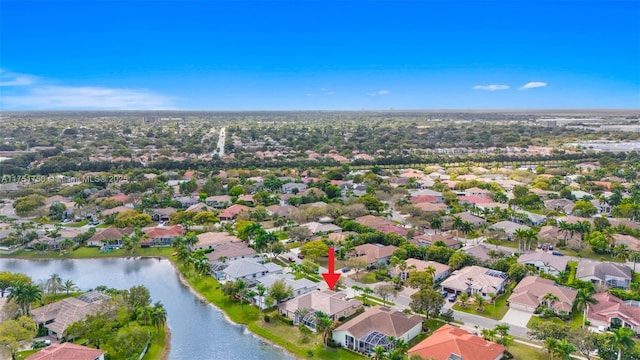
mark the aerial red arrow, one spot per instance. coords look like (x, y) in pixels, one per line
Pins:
(331, 278)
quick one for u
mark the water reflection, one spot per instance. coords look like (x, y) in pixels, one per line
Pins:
(198, 330)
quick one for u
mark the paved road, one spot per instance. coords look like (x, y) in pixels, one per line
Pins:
(221, 141)
(7, 210)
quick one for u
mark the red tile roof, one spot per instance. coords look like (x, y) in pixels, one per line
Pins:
(163, 232)
(452, 340)
(66, 351)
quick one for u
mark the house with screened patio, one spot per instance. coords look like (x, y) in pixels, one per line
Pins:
(374, 327)
(302, 309)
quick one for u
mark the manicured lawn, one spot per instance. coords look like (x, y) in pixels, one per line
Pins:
(89, 252)
(372, 300)
(506, 243)
(77, 224)
(524, 352)
(102, 226)
(491, 311)
(323, 261)
(575, 321)
(157, 345)
(365, 278)
(25, 354)
(587, 253)
(276, 331)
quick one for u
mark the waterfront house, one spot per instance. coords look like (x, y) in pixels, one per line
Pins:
(373, 328)
(57, 316)
(211, 240)
(249, 269)
(161, 235)
(332, 303)
(67, 351)
(110, 235)
(231, 251)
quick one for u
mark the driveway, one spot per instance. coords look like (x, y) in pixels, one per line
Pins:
(517, 317)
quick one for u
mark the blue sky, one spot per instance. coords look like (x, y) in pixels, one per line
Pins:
(224, 55)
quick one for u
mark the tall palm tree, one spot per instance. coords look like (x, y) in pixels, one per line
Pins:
(54, 283)
(457, 224)
(621, 340)
(551, 345)
(635, 257)
(69, 286)
(480, 302)
(158, 315)
(260, 291)
(520, 235)
(466, 229)
(24, 294)
(582, 301)
(300, 313)
(622, 252)
(549, 299)
(436, 223)
(323, 325)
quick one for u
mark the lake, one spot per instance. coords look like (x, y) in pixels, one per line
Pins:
(198, 329)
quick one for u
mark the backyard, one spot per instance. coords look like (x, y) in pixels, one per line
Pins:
(493, 311)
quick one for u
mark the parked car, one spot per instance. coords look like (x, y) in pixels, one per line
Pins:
(444, 293)
(300, 256)
(452, 298)
(556, 253)
(345, 269)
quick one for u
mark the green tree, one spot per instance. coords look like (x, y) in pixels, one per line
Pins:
(158, 315)
(428, 301)
(69, 286)
(280, 291)
(13, 332)
(9, 279)
(24, 294)
(314, 249)
(621, 340)
(517, 272)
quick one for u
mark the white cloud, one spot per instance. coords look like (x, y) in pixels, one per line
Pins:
(329, 93)
(491, 87)
(533, 84)
(32, 92)
(8, 78)
(379, 92)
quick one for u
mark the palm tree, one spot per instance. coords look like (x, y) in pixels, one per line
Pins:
(54, 283)
(551, 345)
(379, 352)
(69, 286)
(436, 223)
(158, 315)
(621, 340)
(457, 224)
(635, 257)
(564, 349)
(260, 291)
(144, 313)
(24, 294)
(480, 302)
(323, 325)
(489, 334)
(549, 299)
(621, 252)
(464, 297)
(520, 235)
(582, 301)
(356, 288)
(366, 291)
(466, 228)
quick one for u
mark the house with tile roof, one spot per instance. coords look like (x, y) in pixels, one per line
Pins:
(332, 303)
(231, 212)
(375, 253)
(231, 251)
(161, 235)
(544, 261)
(611, 311)
(299, 287)
(320, 228)
(487, 254)
(219, 201)
(449, 240)
(57, 316)
(67, 351)
(475, 279)
(509, 228)
(531, 290)
(452, 343)
(373, 328)
(248, 269)
(110, 235)
(606, 273)
(441, 270)
(212, 239)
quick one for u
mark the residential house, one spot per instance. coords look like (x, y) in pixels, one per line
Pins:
(552, 234)
(522, 217)
(452, 343)
(231, 251)
(420, 192)
(115, 210)
(431, 207)
(200, 207)
(332, 303)
(211, 240)
(299, 287)
(162, 215)
(249, 269)
(57, 316)
(508, 227)
(473, 200)
(475, 279)
(288, 188)
(485, 253)
(67, 351)
(320, 228)
(231, 212)
(425, 199)
(605, 273)
(468, 217)
(612, 312)
(280, 210)
(544, 261)
(248, 199)
(375, 253)
(449, 240)
(602, 207)
(218, 201)
(186, 201)
(475, 191)
(312, 192)
(161, 235)
(110, 235)
(374, 327)
(442, 271)
(531, 292)
(62, 235)
(561, 205)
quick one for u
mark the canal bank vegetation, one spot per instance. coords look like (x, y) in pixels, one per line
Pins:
(89, 253)
(267, 325)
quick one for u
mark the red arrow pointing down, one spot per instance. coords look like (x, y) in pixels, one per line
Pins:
(331, 278)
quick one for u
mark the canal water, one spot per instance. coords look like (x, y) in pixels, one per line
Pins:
(198, 329)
